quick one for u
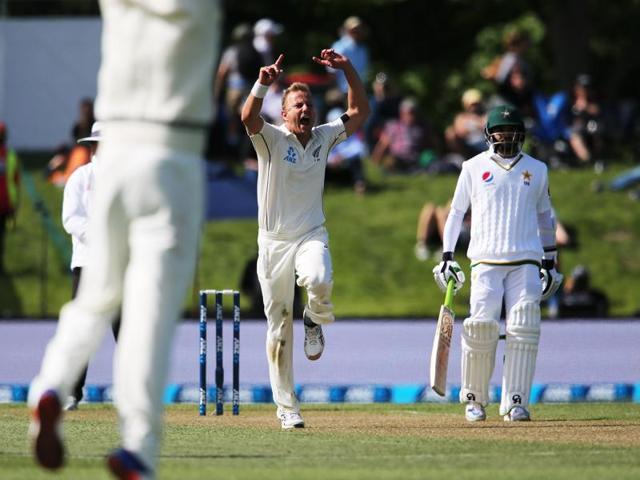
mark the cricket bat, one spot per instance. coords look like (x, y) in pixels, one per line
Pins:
(442, 343)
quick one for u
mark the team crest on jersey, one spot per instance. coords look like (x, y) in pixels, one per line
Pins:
(316, 154)
(487, 178)
(526, 177)
(291, 156)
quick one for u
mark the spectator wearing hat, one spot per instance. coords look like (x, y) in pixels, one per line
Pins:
(265, 32)
(465, 135)
(75, 219)
(351, 45)
(9, 188)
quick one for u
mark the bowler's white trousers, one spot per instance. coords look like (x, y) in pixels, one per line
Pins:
(143, 236)
(279, 262)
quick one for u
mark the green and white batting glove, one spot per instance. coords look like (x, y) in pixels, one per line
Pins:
(448, 268)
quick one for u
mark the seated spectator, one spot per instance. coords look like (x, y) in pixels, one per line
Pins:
(385, 103)
(579, 299)
(403, 141)
(431, 228)
(586, 121)
(347, 156)
(466, 135)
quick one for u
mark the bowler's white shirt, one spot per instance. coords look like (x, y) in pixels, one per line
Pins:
(75, 211)
(291, 178)
(505, 202)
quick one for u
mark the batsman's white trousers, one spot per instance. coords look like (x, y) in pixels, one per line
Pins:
(143, 235)
(490, 285)
(279, 262)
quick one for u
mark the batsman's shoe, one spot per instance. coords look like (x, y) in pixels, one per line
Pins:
(127, 466)
(474, 412)
(290, 420)
(313, 340)
(46, 431)
(518, 414)
(72, 404)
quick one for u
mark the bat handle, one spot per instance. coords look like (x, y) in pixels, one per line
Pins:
(448, 298)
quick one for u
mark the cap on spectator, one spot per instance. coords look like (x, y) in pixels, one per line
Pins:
(95, 134)
(584, 80)
(471, 96)
(266, 26)
(242, 31)
(408, 105)
(352, 23)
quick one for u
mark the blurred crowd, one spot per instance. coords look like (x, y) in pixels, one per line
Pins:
(565, 129)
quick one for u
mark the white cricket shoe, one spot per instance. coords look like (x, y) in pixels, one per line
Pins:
(290, 420)
(474, 412)
(421, 252)
(518, 414)
(313, 341)
(72, 404)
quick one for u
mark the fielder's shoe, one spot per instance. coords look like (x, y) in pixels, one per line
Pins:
(518, 414)
(127, 466)
(290, 420)
(72, 404)
(313, 339)
(474, 412)
(46, 432)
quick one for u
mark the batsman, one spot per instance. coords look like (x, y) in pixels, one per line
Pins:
(513, 260)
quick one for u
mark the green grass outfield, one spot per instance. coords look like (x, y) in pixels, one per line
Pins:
(381, 441)
(372, 237)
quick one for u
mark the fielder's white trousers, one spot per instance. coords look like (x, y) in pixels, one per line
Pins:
(143, 234)
(279, 262)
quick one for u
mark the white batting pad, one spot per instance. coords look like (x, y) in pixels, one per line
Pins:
(523, 335)
(479, 341)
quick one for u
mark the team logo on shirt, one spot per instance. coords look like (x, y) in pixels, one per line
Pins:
(291, 156)
(487, 178)
(316, 154)
(526, 177)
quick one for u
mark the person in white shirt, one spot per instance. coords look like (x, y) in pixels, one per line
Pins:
(292, 239)
(75, 220)
(154, 104)
(512, 251)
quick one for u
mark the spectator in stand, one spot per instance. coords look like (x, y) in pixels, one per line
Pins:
(9, 188)
(403, 141)
(82, 126)
(586, 121)
(579, 299)
(466, 135)
(430, 230)
(351, 44)
(234, 78)
(347, 156)
(265, 32)
(385, 103)
(512, 74)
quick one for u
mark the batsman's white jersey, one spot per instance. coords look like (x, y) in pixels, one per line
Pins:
(292, 240)
(506, 203)
(154, 102)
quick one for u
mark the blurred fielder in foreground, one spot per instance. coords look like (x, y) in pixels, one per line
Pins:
(154, 104)
(512, 229)
(292, 238)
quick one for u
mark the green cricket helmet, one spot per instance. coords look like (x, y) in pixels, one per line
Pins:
(504, 131)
